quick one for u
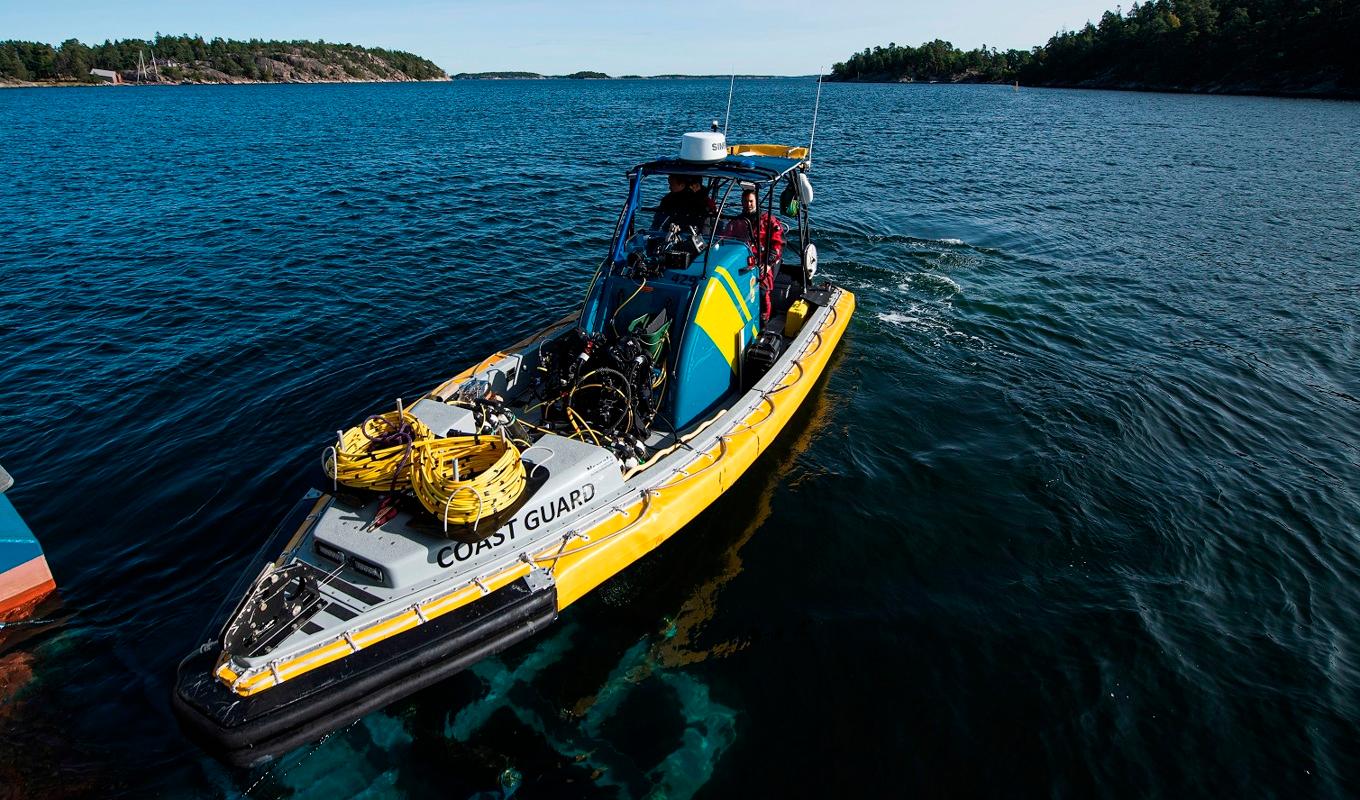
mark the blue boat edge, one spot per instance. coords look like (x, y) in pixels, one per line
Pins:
(25, 578)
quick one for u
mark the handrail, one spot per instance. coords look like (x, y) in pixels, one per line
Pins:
(722, 451)
(449, 502)
(334, 471)
(537, 464)
(562, 552)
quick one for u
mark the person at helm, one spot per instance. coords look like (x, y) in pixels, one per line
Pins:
(765, 236)
(685, 205)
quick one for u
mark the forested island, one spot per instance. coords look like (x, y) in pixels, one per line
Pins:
(1220, 46)
(527, 76)
(592, 75)
(192, 59)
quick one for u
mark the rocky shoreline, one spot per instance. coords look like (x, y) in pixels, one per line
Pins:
(1320, 90)
(178, 60)
(12, 84)
(1323, 89)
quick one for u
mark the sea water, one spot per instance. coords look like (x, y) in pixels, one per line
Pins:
(1075, 511)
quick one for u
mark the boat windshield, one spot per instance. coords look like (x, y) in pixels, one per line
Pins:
(690, 201)
(704, 209)
(685, 201)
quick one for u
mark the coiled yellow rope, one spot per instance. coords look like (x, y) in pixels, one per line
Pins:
(464, 478)
(378, 453)
(459, 479)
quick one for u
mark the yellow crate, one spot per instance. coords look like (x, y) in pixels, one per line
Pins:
(796, 316)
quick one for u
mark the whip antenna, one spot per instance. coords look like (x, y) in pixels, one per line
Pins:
(730, 86)
(815, 106)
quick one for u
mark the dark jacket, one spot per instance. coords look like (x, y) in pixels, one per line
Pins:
(685, 208)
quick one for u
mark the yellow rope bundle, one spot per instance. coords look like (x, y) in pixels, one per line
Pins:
(364, 459)
(464, 478)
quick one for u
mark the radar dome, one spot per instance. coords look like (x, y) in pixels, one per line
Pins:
(703, 146)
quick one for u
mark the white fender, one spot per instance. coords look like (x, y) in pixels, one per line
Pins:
(804, 189)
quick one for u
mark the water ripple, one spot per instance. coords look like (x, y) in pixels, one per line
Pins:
(1079, 502)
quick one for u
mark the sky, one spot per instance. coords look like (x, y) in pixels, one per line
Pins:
(789, 37)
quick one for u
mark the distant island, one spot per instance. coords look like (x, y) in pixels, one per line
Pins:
(591, 75)
(526, 76)
(192, 59)
(1216, 46)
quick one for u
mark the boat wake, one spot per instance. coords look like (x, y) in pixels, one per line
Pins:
(932, 282)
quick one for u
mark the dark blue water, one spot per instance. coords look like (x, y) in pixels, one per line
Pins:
(1076, 511)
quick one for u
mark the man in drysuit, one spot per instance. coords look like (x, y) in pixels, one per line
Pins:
(766, 236)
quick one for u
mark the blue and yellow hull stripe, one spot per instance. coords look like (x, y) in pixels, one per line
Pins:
(723, 311)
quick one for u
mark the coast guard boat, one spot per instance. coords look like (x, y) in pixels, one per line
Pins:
(454, 526)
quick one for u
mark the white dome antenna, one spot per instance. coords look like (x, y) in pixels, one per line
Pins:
(703, 147)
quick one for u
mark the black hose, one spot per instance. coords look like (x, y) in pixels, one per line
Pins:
(675, 434)
(628, 393)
